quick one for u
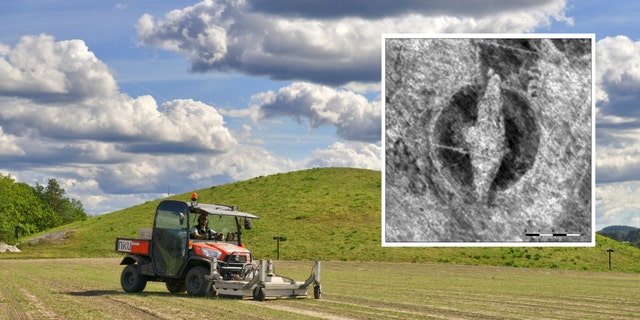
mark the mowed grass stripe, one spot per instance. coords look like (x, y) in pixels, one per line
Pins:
(303, 310)
(32, 293)
(435, 308)
(13, 302)
(534, 303)
(341, 308)
(69, 290)
(90, 288)
(507, 307)
(488, 290)
(407, 310)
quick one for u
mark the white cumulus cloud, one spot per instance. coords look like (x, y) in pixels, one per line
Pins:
(40, 66)
(354, 117)
(618, 93)
(617, 204)
(8, 145)
(319, 43)
(352, 154)
(618, 66)
(60, 90)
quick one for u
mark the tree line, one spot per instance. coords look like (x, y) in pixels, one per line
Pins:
(26, 210)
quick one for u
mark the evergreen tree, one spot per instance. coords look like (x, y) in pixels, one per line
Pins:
(53, 195)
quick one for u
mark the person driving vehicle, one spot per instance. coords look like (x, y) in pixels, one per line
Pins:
(202, 231)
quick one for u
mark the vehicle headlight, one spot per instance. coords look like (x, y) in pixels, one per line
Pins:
(211, 253)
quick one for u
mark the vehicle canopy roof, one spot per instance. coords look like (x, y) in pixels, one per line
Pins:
(220, 210)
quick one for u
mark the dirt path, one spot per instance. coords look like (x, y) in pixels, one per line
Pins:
(298, 310)
(53, 237)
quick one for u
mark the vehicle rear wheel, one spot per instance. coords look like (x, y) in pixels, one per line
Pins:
(176, 286)
(131, 281)
(195, 282)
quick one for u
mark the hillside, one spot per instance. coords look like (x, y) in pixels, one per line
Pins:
(326, 214)
(630, 235)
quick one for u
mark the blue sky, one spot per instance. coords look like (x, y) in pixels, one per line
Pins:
(124, 101)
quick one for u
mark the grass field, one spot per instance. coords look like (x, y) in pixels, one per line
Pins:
(332, 215)
(89, 289)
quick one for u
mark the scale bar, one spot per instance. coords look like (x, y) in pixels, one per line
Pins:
(552, 234)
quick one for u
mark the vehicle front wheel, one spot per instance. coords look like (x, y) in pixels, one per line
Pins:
(195, 282)
(131, 280)
(176, 286)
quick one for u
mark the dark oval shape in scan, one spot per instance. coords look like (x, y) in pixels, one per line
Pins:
(523, 138)
(452, 153)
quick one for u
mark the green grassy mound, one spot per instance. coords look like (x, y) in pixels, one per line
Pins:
(325, 214)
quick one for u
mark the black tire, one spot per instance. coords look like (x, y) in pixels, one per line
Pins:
(195, 282)
(131, 281)
(317, 291)
(176, 286)
(259, 294)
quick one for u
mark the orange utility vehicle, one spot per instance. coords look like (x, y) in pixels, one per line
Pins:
(219, 266)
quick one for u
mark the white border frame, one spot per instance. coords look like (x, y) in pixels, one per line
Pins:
(591, 36)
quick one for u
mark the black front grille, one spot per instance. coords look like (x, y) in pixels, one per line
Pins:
(236, 258)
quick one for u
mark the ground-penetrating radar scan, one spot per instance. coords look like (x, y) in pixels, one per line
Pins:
(488, 140)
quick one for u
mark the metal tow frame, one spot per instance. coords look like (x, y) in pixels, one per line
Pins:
(260, 283)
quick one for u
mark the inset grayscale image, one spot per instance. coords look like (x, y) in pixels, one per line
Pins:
(489, 140)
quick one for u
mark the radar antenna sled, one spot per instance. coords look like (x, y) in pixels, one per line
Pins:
(220, 265)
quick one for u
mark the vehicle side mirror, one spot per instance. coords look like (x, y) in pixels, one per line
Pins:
(247, 223)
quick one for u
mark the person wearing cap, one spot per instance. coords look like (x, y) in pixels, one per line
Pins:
(202, 231)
